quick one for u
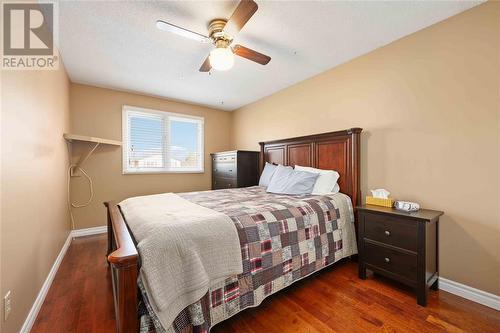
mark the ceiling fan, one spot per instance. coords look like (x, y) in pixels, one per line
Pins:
(221, 33)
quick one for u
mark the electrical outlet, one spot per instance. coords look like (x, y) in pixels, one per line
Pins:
(6, 306)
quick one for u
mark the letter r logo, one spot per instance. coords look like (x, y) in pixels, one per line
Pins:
(28, 28)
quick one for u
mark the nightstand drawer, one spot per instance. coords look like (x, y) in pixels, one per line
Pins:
(394, 261)
(391, 230)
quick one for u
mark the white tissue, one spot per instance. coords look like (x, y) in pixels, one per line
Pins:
(380, 193)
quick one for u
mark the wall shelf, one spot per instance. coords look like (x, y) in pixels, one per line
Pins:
(90, 139)
(84, 138)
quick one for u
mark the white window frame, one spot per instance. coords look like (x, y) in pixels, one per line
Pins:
(167, 116)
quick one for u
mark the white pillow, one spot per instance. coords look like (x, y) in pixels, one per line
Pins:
(267, 174)
(286, 180)
(326, 182)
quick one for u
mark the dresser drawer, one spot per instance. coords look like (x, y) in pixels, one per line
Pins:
(225, 170)
(394, 261)
(224, 158)
(391, 230)
(220, 183)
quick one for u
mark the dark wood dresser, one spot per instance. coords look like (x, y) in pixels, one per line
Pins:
(236, 168)
(399, 245)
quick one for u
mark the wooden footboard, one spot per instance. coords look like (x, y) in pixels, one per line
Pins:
(124, 263)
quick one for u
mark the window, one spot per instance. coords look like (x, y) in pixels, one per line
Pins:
(156, 141)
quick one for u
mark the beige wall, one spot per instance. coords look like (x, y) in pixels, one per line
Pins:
(430, 108)
(35, 222)
(98, 112)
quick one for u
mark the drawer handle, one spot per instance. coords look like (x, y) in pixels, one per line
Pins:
(230, 170)
(387, 233)
(387, 259)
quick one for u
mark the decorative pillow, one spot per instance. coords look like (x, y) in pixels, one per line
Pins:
(326, 182)
(267, 174)
(286, 180)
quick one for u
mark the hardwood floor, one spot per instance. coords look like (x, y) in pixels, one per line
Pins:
(335, 300)
(80, 299)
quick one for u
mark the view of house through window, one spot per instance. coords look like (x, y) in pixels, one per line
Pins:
(156, 141)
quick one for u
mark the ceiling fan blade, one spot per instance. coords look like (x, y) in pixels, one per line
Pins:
(250, 54)
(206, 67)
(165, 26)
(241, 15)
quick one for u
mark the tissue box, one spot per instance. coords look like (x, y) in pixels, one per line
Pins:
(379, 202)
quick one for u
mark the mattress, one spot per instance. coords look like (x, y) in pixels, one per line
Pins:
(283, 239)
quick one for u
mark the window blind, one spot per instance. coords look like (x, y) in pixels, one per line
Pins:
(156, 141)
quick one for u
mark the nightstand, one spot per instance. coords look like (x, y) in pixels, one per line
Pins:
(399, 245)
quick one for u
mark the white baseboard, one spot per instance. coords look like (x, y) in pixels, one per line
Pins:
(30, 320)
(473, 294)
(89, 231)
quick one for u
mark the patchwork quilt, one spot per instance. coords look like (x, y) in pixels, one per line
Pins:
(283, 238)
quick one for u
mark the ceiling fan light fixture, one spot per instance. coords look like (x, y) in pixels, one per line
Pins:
(221, 33)
(221, 58)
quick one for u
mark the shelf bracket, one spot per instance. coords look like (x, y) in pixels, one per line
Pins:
(88, 139)
(82, 160)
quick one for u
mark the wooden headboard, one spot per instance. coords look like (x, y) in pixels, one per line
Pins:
(337, 151)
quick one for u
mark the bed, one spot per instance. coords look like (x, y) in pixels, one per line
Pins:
(283, 238)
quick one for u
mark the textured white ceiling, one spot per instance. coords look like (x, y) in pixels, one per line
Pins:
(116, 44)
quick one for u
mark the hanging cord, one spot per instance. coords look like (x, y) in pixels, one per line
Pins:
(76, 205)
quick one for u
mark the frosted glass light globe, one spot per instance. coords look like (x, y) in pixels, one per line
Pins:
(221, 58)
